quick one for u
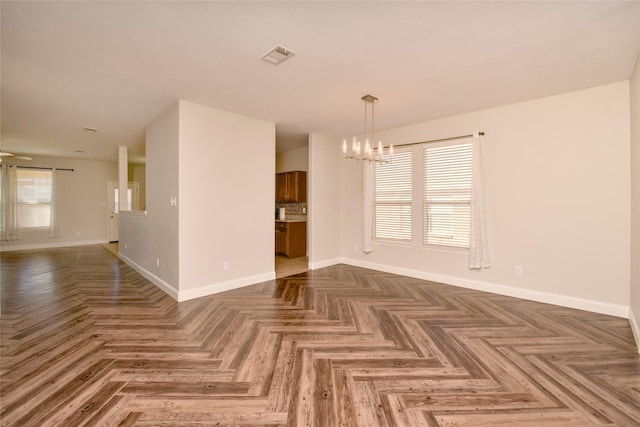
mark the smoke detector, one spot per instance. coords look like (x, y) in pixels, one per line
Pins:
(277, 55)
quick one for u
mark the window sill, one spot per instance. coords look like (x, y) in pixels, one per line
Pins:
(445, 249)
(34, 229)
(431, 248)
(406, 245)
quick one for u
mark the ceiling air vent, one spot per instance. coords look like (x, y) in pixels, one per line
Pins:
(277, 55)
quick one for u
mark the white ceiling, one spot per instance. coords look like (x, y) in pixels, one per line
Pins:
(115, 66)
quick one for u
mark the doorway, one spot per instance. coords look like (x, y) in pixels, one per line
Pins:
(292, 165)
(114, 205)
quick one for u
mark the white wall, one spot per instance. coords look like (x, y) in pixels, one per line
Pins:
(220, 167)
(557, 186)
(293, 160)
(635, 201)
(227, 184)
(323, 201)
(82, 203)
(146, 241)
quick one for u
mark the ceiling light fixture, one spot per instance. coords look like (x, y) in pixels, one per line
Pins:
(277, 55)
(360, 151)
(5, 154)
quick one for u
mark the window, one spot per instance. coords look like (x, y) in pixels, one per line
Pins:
(34, 198)
(423, 196)
(447, 193)
(393, 198)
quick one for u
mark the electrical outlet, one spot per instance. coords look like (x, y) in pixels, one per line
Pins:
(518, 270)
(157, 262)
(227, 265)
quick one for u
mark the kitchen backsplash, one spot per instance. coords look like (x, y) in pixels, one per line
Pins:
(293, 208)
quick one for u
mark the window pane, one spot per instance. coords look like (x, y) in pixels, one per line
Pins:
(447, 194)
(447, 225)
(393, 198)
(393, 180)
(34, 197)
(393, 222)
(34, 186)
(33, 216)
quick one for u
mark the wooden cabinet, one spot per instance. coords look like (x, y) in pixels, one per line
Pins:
(281, 187)
(291, 239)
(281, 238)
(291, 187)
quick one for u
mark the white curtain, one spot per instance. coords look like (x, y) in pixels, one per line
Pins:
(9, 203)
(479, 245)
(54, 230)
(367, 206)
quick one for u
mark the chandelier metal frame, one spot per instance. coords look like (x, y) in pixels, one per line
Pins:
(364, 150)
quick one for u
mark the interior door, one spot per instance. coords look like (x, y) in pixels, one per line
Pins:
(114, 205)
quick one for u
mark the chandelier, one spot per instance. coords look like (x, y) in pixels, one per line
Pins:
(365, 150)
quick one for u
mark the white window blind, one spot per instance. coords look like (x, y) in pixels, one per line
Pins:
(34, 198)
(393, 198)
(447, 193)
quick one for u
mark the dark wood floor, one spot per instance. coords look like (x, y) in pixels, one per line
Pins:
(87, 341)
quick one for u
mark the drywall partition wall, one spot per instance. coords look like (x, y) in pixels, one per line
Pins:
(323, 200)
(293, 160)
(634, 89)
(227, 185)
(557, 188)
(82, 203)
(149, 243)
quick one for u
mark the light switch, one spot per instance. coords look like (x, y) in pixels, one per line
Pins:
(173, 201)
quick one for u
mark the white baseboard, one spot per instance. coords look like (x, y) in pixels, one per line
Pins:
(561, 300)
(635, 328)
(229, 285)
(200, 291)
(325, 263)
(164, 286)
(9, 248)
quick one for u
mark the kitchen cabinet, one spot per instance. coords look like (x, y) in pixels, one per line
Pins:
(281, 238)
(291, 187)
(291, 239)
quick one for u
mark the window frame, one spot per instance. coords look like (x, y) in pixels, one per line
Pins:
(419, 203)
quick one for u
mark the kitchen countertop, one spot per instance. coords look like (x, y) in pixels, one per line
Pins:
(293, 218)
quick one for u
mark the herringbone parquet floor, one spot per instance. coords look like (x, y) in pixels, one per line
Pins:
(87, 341)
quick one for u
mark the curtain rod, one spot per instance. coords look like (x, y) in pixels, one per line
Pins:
(436, 140)
(41, 168)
